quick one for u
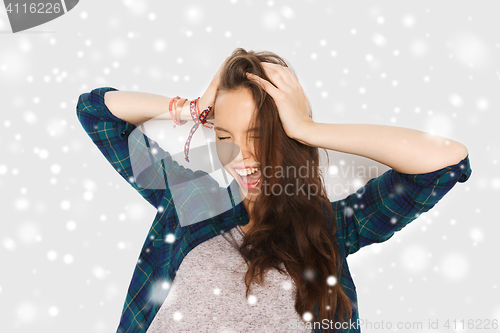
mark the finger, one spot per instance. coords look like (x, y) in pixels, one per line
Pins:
(271, 90)
(277, 76)
(285, 73)
(277, 80)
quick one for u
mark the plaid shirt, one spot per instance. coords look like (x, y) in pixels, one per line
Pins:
(370, 215)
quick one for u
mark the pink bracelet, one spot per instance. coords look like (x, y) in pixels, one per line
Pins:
(172, 114)
(170, 107)
(178, 108)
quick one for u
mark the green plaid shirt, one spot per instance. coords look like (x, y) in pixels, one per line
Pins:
(370, 215)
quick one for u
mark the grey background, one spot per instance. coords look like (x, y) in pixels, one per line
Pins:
(72, 229)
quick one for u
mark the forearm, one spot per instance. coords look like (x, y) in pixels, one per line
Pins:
(139, 107)
(403, 149)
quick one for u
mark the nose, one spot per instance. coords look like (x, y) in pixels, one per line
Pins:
(246, 149)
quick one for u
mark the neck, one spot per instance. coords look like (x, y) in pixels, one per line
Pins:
(249, 204)
(249, 208)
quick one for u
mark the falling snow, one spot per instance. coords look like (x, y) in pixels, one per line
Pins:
(72, 221)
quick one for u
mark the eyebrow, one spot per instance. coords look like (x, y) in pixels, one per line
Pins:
(217, 128)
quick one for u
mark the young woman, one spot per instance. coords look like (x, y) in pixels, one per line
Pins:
(274, 224)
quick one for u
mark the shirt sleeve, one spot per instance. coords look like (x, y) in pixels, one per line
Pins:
(391, 201)
(137, 158)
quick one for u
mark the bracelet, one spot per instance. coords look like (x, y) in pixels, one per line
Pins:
(178, 109)
(203, 120)
(198, 118)
(172, 116)
(176, 122)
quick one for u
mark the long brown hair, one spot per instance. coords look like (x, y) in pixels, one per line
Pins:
(296, 230)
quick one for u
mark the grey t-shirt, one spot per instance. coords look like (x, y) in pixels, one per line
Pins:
(208, 294)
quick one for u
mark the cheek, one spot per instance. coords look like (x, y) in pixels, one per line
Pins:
(227, 152)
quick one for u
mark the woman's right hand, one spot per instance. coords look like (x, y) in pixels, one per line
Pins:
(208, 97)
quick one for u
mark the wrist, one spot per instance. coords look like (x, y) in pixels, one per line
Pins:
(304, 132)
(204, 103)
(207, 98)
(185, 112)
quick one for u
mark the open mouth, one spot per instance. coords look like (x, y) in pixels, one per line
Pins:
(249, 178)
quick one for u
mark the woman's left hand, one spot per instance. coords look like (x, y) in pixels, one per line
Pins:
(292, 103)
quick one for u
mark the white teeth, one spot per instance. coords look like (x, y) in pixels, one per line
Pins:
(246, 172)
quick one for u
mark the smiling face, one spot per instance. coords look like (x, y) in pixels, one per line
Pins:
(235, 140)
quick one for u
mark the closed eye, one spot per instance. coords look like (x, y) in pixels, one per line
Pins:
(227, 137)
